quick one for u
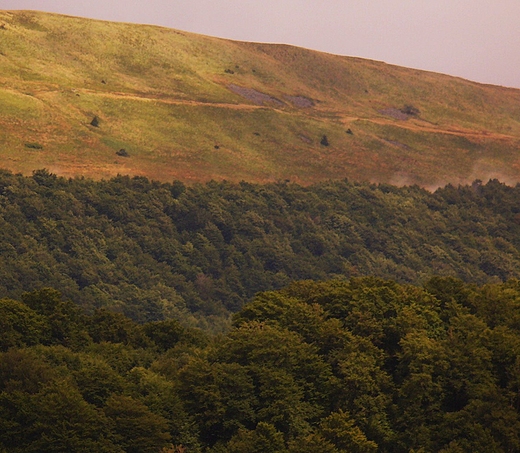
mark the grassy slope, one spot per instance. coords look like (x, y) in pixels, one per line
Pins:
(164, 96)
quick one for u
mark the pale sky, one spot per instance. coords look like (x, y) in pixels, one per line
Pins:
(474, 39)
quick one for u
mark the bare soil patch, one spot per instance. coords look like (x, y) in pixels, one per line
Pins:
(300, 101)
(395, 113)
(254, 96)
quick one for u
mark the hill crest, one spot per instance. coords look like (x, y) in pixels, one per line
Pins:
(175, 105)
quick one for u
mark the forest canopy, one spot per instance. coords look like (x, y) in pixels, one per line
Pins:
(156, 251)
(349, 317)
(363, 365)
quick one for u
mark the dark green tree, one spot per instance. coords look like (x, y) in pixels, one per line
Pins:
(19, 325)
(136, 429)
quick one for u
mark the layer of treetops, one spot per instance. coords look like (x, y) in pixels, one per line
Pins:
(154, 251)
(138, 316)
(362, 365)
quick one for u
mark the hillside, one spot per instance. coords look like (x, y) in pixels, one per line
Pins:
(195, 108)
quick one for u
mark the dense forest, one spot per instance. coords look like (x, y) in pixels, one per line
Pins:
(154, 251)
(139, 316)
(361, 365)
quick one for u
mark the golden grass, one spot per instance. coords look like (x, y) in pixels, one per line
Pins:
(163, 96)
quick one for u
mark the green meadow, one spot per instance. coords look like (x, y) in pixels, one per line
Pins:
(196, 108)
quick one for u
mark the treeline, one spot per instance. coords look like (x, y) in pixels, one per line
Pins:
(155, 251)
(359, 366)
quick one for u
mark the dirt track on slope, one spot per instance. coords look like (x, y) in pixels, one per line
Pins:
(414, 126)
(170, 101)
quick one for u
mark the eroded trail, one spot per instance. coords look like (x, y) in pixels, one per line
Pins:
(413, 125)
(171, 101)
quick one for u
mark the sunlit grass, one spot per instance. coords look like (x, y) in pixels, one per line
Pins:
(163, 96)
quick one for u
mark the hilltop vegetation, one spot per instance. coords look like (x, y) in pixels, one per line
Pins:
(195, 108)
(156, 250)
(358, 366)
